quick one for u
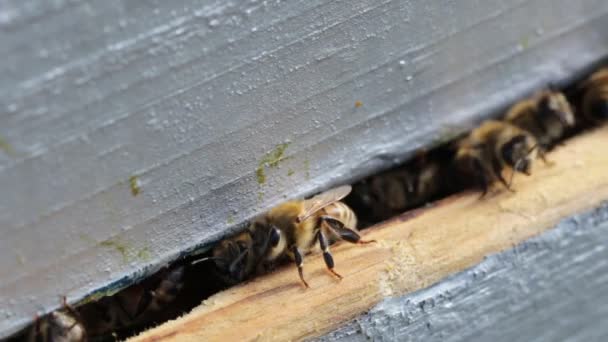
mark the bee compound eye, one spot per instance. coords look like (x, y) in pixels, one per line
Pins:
(275, 236)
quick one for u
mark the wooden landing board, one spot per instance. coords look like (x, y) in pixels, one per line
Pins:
(413, 251)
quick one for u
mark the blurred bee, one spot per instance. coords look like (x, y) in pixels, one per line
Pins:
(595, 97)
(547, 115)
(492, 147)
(392, 192)
(62, 325)
(290, 231)
(243, 255)
(136, 305)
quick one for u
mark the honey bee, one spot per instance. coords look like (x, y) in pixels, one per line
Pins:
(135, 305)
(492, 147)
(595, 98)
(241, 256)
(547, 115)
(290, 231)
(62, 325)
(394, 191)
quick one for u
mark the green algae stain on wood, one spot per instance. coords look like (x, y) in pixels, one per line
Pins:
(270, 160)
(122, 248)
(307, 169)
(524, 43)
(144, 254)
(134, 185)
(6, 147)
(117, 246)
(260, 175)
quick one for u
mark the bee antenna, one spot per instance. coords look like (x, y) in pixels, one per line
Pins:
(202, 260)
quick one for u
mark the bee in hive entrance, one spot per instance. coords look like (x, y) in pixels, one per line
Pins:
(289, 230)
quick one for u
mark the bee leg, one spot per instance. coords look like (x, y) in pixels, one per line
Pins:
(504, 181)
(481, 178)
(234, 270)
(543, 156)
(37, 328)
(70, 309)
(343, 232)
(329, 260)
(297, 255)
(497, 168)
(483, 184)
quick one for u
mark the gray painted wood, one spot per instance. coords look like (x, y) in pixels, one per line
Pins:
(550, 288)
(190, 96)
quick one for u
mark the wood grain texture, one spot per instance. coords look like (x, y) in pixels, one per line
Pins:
(185, 100)
(413, 251)
(548, 288)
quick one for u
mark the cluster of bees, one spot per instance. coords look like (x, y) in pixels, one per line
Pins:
(137, 305)
(513, 143)
(293, 229)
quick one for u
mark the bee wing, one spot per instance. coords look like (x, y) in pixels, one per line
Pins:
(322, 200)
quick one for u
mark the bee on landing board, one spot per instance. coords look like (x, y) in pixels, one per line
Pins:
(491, 148)
(63, 325)
(290, 230)
(595, 97)
(547, 115)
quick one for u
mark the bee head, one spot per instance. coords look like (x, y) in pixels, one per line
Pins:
(554, 104)
(230, 258)
(518, 153)
(63, 325)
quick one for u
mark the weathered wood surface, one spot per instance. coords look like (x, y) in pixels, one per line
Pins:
(131, 131)
(413, 251)
(548, 288)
